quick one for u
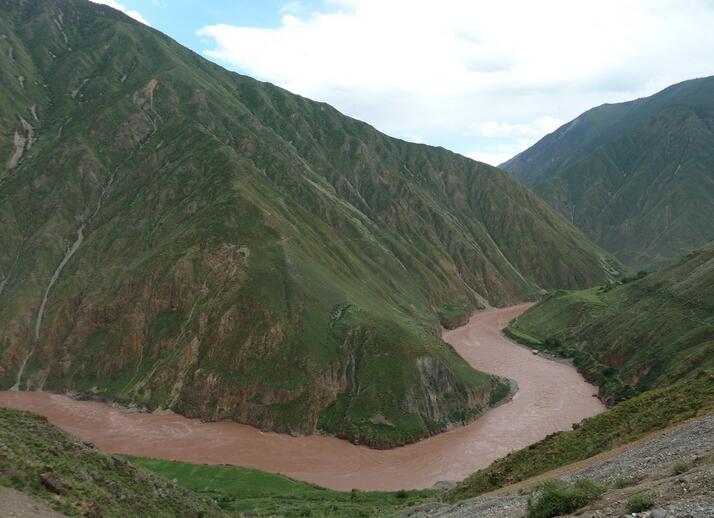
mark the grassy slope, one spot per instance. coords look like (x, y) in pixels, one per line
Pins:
(646, 333)
(636, 177)
(86, 481)
(248, 254)
(626, 422)
(241, 490)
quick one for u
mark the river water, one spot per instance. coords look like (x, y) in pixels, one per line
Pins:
(551, 397)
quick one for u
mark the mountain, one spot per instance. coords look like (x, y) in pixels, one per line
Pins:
(646, 333)
(637, 177)
(174, 235)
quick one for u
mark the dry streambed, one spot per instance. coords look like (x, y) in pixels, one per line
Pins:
(551, 397)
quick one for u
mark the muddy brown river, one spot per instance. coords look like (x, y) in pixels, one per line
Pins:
(551, 397)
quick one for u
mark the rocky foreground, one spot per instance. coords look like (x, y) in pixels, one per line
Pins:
(674, 469)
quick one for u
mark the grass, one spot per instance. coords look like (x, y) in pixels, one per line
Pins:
(624, 423)
(679, 467)
(257, 493)
(620, 482)
(557, 498)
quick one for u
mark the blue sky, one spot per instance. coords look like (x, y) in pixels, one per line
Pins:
(181, 19)
(485, 79)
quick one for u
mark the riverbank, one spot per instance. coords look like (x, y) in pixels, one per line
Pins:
(551, 397)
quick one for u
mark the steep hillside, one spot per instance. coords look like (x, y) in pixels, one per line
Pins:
(76, 479)
(637, 177)
(646, 333)
(178, 236)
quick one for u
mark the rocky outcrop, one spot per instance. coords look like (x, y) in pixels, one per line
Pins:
(438, 391)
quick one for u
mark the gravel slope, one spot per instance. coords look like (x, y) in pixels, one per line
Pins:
(646, 468)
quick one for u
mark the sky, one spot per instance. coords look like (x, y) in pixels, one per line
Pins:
(486, 79)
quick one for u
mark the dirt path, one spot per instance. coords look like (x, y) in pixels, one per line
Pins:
(551, 397)
(14, 504)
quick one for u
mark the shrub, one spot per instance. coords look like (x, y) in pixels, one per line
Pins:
(679, 467)
(640, 502)
(555, 498)
(619, 482)
(402, 493)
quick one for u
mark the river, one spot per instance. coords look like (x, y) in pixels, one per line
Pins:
(551, 397)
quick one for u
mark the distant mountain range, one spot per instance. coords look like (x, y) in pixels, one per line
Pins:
(173, 235)
(637, 177)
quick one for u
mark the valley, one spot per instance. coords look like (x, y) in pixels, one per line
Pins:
(551, 396)
(180, 237)
(221, 298)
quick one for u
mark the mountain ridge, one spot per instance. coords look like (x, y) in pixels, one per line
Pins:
(229, 250)
(636, 176)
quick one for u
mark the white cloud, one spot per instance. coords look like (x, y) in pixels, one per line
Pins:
(474, 75)
(537, 128)
(493, 158)
(120, 7)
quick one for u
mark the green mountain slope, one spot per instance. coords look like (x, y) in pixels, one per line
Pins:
(647, 333)
(77, 480)
(178, 236)
(637, 177)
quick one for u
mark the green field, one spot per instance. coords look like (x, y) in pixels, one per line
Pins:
(242, 490)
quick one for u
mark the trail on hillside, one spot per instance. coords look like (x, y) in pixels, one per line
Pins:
(41, 310)
(56, 275)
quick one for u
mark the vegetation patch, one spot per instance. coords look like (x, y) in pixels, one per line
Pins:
(557, 498)
(639, 503)
(647, 332)
(679, 467)
(257, 493)
(78, 480)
